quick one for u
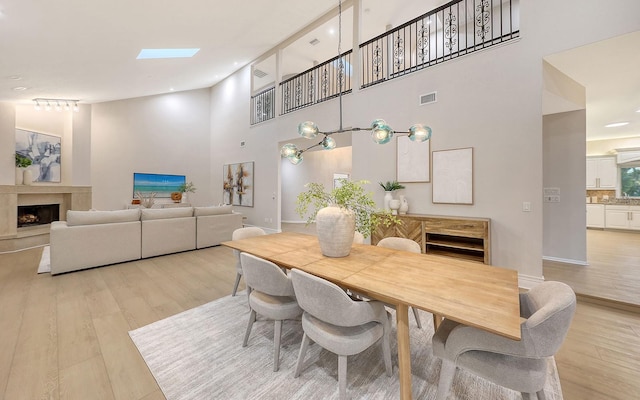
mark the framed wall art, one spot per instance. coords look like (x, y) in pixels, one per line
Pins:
(412, 160)
(453, 176)
(237, 184)
(44, 151)
(160, 184)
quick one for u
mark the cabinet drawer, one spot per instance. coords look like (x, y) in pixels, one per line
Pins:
(456, 227)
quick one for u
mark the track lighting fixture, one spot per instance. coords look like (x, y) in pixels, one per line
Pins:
(57, 103)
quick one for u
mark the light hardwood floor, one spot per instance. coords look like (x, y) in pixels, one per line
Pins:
(66, 337)
(614, 268)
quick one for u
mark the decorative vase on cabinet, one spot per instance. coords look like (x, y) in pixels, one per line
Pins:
(19, 176)
(336, 227)
(404, 205)
(395, 206)
(388, 196)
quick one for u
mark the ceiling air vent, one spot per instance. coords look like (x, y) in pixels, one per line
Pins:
(314, 42)
(428, 98)
(259, 73)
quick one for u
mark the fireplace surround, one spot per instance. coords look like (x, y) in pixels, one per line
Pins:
(12, 196)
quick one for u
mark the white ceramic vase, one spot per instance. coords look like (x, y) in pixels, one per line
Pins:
(19, 176)
(335, 226)
(388, 196)
(27, 177)
(394, 205)
(404, 205)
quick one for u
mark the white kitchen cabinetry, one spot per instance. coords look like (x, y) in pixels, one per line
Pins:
(595, 216)
(622, 217)
(602, 173)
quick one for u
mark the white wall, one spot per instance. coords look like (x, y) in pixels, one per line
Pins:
(319, 167)
(166, 134)
(7, 144)
(564, 160)
(490, 101)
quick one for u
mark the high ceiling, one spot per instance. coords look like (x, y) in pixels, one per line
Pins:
(86, 50)
(610, 72)
(79, 49)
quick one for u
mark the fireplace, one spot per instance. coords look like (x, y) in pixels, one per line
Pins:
(38, 214)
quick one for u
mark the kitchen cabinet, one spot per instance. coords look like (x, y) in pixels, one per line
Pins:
(595, 216)
(622, 217)
(602, 173)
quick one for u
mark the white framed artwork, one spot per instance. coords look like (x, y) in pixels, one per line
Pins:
(412, 160)
(453, 176)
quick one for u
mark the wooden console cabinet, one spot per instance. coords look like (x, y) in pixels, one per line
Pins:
(461, 237)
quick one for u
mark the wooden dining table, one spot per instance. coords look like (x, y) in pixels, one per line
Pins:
(474, 294)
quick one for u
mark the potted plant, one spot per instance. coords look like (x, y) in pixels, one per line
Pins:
(22, 162)
(389, 187)
(187, 188)
(339, 213)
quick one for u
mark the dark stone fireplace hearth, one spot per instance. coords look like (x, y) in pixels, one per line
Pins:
(38, 215)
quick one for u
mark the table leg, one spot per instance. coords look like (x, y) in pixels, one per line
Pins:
(437, 320)
(404, 351)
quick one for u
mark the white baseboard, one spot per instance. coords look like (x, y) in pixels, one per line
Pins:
(565, 260)
(267, 230)
(293, 222)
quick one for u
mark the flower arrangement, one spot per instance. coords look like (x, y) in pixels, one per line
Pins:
(146, 201)
(350, 195)
(391, 186)
(187, 188)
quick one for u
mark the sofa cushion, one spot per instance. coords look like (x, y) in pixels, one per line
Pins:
(164, 213)
(213, 210)
(75, 218)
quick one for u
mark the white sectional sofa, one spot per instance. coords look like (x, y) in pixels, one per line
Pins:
(94, 238)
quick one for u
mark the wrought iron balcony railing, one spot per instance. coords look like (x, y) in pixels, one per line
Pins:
(455, 29)
(317, 84)
(452, 30)
(263, 106)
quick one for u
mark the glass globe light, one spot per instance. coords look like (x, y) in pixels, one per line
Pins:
(328, 143)
(296, 159)
(419, 133)
(378, 122)
(381, 134)
(288, 150)
(308, 129)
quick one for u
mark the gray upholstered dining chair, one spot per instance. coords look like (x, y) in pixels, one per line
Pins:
(547, 310)
(238, 234)
(338, 323)
(403, 244)
(272, 296)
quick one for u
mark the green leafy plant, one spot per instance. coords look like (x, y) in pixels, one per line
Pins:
(22, 161)
(390, 186)
(350, 195)
(187, 188)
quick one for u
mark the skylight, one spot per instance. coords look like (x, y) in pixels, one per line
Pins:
(166, 53)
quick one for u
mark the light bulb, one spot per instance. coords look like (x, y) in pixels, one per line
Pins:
(296, 159)
(58, 108)
(37, 106)
(419, 133)
(377, 122)
(381, 134)
(76, 108)
(308, 129)
(328, 143)
(66, 106)
(288, 150)
(47, 107)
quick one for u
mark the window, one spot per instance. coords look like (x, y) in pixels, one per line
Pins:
(630, 181)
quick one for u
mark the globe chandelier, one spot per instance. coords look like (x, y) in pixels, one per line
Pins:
(381, 133)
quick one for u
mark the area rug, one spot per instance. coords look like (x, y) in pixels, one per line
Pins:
(198, 354)
(45, 261)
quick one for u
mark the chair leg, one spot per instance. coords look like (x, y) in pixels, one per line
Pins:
(277, 334)
(248, 295)
(303, 350)
(252, 319)
(417, 316)
(541, 395)
(447, 371)
(235, 285)
(342, 377)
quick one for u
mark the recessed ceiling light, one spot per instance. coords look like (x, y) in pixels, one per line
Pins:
(19, 88)
(616, 124)
(638, 110)
(166, 53)
(171, 89)
(15, 77)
